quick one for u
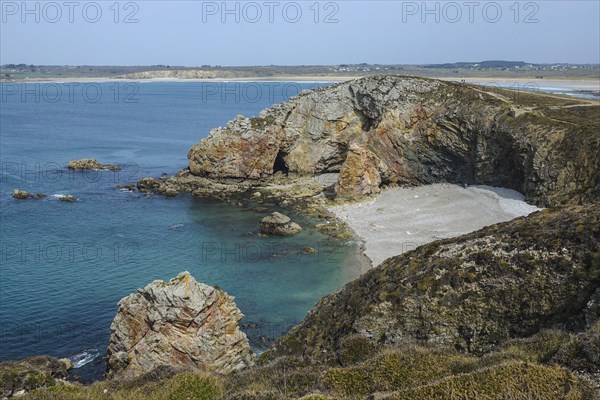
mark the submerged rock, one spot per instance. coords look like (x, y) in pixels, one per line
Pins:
(279, 224)
(19, 377)
(91, 164)
(23, 195)
(128, 187)
(68, 198)
(181, 324)
(147, 185)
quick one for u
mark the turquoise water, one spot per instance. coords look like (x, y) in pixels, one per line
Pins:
(66, 265)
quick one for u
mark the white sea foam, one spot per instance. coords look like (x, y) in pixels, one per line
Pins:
(83, 358)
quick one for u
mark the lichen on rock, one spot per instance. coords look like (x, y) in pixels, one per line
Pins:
(181, 324)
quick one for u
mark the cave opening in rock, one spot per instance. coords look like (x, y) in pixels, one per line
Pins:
(280, 164)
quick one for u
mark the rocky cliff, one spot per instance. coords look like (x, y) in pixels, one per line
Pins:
(393, 130)
(180, 324)
(474, 292)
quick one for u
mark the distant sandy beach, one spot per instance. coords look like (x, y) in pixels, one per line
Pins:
(401, 219)
(249, 79)
(572, 84)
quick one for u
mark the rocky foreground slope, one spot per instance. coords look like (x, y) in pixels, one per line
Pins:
(394, 130)
(472, 293)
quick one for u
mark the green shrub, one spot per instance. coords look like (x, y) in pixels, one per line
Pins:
(514, 380)
(395, 369)
(582, 352)
(539, 348)
(356, 349)
(193, 386)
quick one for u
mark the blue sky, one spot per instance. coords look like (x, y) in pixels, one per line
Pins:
(193, 33)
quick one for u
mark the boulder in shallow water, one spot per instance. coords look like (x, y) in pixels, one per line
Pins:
(91, 164)
(68, 198)
(279, 224)
(23, 195)
(181, 324)
(147, 185)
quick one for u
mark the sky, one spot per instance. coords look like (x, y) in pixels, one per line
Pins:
(195, 33)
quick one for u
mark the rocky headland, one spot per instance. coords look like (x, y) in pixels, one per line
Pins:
(392, 130)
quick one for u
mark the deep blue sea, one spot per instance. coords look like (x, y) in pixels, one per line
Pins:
(66, 265)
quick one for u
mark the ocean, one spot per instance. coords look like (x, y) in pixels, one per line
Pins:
(66, 265)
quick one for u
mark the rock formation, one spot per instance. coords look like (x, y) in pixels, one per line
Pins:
(19, 377)
(23, 195)
(91, 164)
(279, 224)
(473, 292)
(181, 324)
(68, 198)
(393, 130)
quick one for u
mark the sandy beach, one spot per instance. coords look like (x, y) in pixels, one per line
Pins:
(401, 219)
(559, 84)
(247, 79)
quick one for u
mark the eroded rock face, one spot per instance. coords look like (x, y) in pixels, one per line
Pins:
(91, 164)
(279, 224)
(509, 280)
(394, 130)
(360, 174)
(181, 324)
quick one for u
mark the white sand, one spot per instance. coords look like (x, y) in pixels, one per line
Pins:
(401, 219)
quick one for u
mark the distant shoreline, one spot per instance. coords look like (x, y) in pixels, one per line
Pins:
(564, 82)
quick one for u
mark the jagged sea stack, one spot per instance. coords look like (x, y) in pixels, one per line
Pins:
(181, 324)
